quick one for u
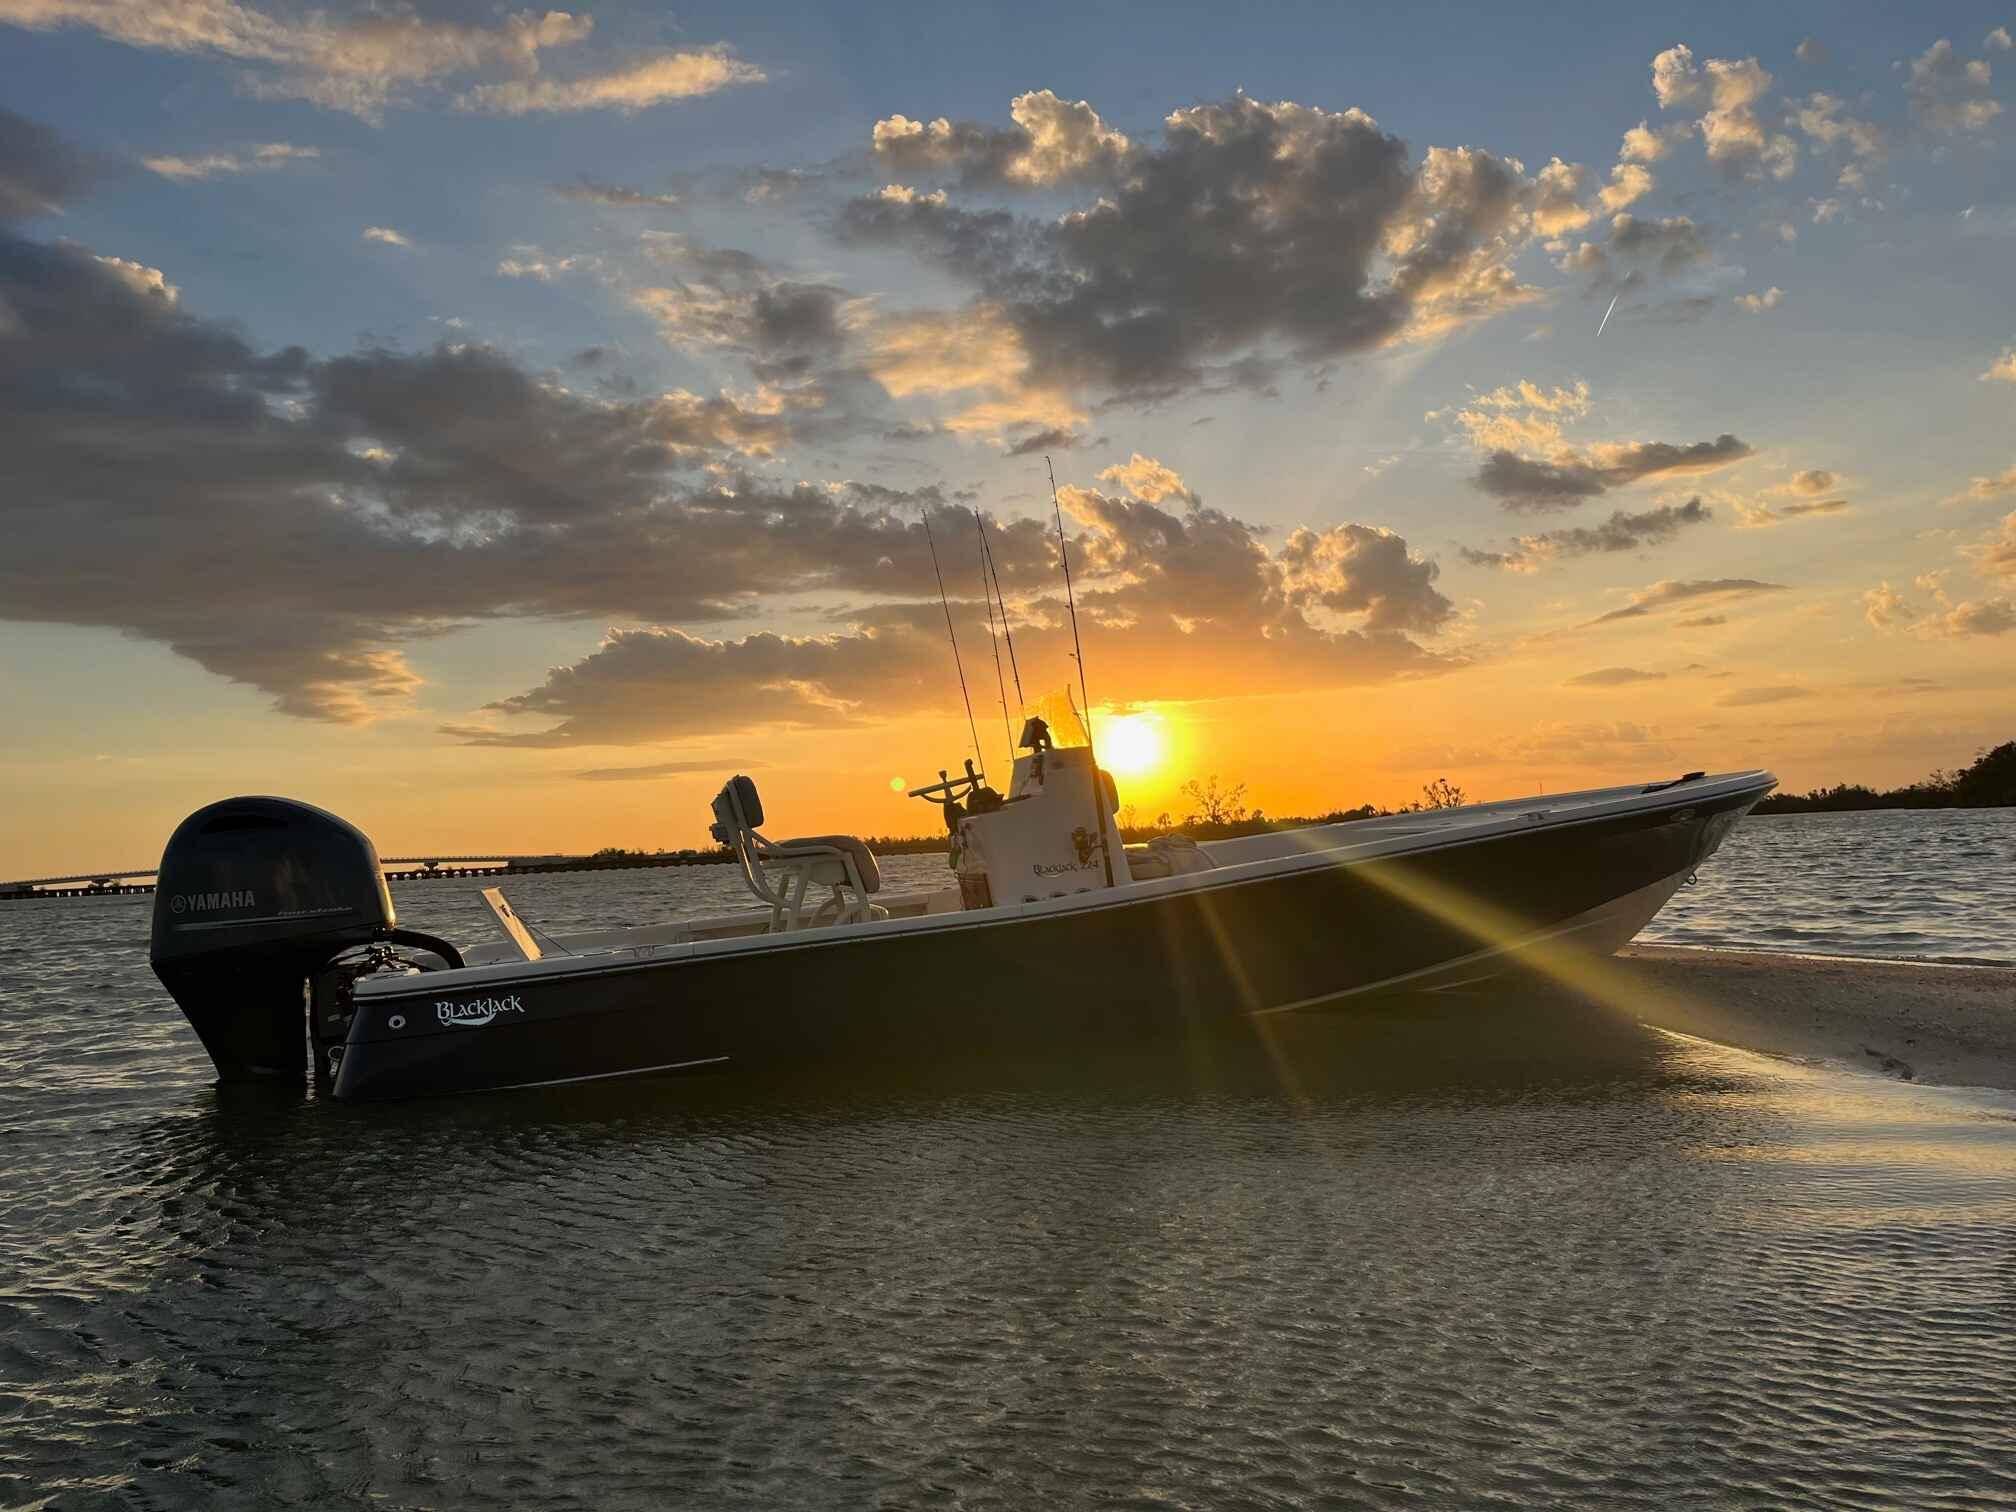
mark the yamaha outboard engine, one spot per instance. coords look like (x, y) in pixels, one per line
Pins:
(254, 897)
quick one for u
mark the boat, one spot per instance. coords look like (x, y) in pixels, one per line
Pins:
(274, 931)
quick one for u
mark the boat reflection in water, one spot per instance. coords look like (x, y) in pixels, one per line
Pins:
(1050, 931)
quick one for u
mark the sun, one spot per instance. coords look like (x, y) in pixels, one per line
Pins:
(1130, 745)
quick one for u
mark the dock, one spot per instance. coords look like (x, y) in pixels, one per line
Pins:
(140, 880)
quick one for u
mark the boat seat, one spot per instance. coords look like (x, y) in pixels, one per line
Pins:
(1167, 856)
(781, 872)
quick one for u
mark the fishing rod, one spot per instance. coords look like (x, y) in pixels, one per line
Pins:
(944, 603)
(1000, 681)
(1064, 555)
(1078, 655)
(1007, 630)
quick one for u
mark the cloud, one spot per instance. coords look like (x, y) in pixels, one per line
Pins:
(1675, 79)
(656, 769)
(387, 235)
(1997, 40)
(1673, 241)
(1823, 118)
(1645, 143)
(1251, 232)
(1529, 465)
(1995, 557)
(1737, 139)
(1993, 487)
(1702, 622)
(2003, 368)
(1628, 184)
(1556, 199)
(1621, 532)
(359, 65)
(1949, 93)
(615, 196)
(1189, 606)
(1571, 477)
(1052, 142)
(650, 81)
(1662, 596)
(524, 261)
(1039, 442)
(1812, 52)
(210, 165)
(1757, 304)
(40, 173)
(1743, 698)
(1735, 135)
(453, 485)
(1887, 609)
(1803, 489)
(1613, 677)
(1148, 480)
(1757, 516)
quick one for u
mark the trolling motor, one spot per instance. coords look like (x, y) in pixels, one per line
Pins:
(256, 898)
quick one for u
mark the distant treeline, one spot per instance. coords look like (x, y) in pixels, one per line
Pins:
(1989, 783)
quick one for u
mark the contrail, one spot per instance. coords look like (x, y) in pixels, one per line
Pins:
(1606, 314)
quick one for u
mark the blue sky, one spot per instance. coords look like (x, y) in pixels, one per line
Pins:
(1801, 389)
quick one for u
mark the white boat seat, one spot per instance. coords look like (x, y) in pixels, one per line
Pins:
(839, 862)
(864, 858)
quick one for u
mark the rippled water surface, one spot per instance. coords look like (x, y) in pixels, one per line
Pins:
(1462, 1251)
(1933, 886)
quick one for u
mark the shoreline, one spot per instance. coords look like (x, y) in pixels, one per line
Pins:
(1935, 1023)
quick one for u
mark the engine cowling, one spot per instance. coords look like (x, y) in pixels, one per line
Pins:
(254, 896)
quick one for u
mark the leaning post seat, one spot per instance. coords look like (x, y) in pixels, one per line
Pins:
(839, 862)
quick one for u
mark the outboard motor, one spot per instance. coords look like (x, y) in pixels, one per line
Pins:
(254, 897)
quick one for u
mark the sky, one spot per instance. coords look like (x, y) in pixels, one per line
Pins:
(499, 426)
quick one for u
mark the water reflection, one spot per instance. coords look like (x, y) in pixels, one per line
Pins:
(1428, 1250)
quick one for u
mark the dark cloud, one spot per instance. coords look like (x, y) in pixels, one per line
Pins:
(1664, 595)
(290, 521)
(1621, 532)
(1249, 225)
(1637, 249)
(1522, 483)
(615, 196)
(40, 173)
(1673, 242)
(1613, 677)
(1703, 621)
(1055, 439)
(1172, 605)
(1814, 507)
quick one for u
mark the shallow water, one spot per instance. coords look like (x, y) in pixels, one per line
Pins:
(1464, 1251)
(1929, 886)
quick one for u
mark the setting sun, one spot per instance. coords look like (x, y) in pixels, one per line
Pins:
(1131, 745)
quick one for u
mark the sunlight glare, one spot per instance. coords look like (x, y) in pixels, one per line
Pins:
(1130, 745)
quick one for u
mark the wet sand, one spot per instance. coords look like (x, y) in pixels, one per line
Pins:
(1942, 1025)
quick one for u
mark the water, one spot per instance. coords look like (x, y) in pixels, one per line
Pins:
(1461, 1252)
(1927, 886)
